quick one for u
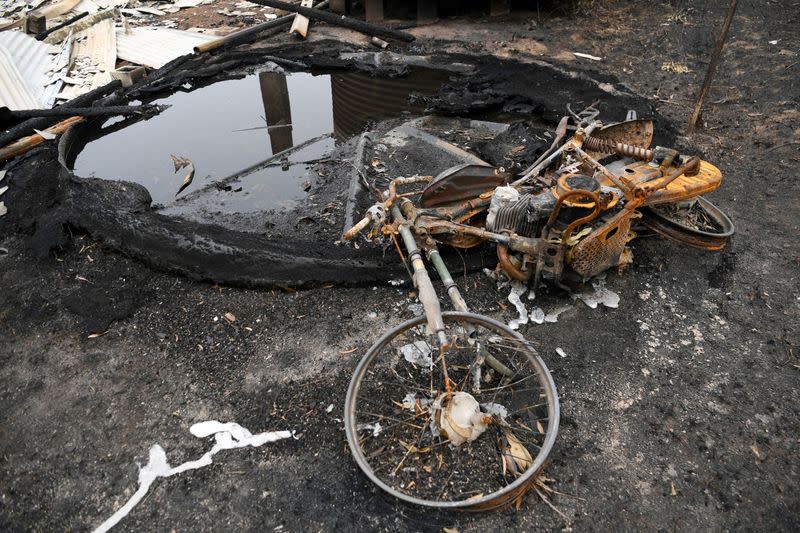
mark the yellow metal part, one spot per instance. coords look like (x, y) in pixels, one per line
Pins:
(707, 179)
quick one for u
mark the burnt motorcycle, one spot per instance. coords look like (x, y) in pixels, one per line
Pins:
(455, 410)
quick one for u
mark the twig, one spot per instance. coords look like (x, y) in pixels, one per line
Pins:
(782, 145)
(712, 66)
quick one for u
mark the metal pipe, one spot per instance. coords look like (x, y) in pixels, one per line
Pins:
(508, 266)
(461, 305)
(422, 281)
(450, 285)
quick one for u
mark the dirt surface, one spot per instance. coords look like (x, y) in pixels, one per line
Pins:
(679, 408)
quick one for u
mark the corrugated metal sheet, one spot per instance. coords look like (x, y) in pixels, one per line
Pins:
(33, 61)
(155, 47)
(98, 53)
(14, 90)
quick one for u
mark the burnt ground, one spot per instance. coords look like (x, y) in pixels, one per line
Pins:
(679, 408)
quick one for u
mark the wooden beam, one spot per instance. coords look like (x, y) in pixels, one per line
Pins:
(35, 23)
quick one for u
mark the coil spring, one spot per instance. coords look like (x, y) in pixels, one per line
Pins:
(609, 146)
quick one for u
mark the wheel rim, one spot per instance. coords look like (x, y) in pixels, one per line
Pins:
(372, 449)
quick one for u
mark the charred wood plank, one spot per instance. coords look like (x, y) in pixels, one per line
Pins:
(339, 20)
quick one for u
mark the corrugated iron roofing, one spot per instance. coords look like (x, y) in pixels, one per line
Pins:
(96, 52)
(14, 90)
(33, 62)
(155, 47)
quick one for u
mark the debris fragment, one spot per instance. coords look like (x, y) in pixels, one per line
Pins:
(516, 457)
(461, 419)
(417, 353)
(587, 56)
(376, 428)
(677, 68)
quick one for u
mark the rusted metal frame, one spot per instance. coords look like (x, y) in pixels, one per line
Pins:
(509, 267)
(391, 198)
(597, 166)
(459, 210)
(649, 187)
(583, 220)
(598, 206)
(538, 168)
(573, 144)
(434, 225)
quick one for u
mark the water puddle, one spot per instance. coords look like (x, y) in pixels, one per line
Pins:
(232, 130)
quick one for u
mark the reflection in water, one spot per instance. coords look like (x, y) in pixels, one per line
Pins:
(223, 129)
(359, 98)
(277, 110)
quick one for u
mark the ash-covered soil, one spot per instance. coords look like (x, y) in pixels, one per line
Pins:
(679, 407)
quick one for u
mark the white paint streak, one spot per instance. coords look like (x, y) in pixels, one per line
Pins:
(553, 315)
(227, 436)
(518, 289)
(600, 295)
